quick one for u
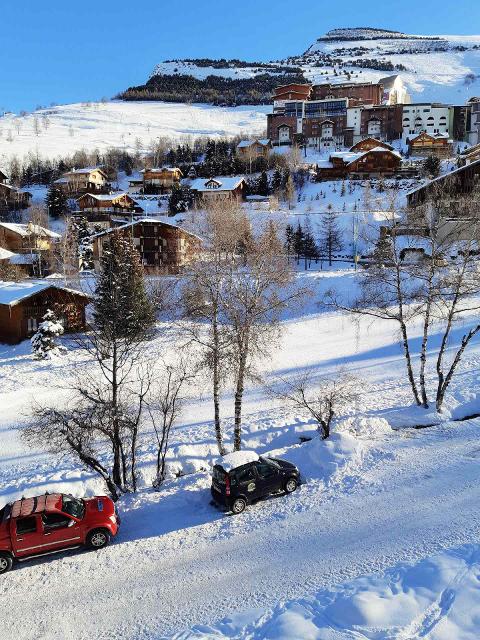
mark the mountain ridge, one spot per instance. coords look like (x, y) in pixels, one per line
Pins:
(437, 68)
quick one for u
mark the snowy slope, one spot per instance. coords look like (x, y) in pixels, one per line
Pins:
(67, 128)
(438, 68)
(375, 544)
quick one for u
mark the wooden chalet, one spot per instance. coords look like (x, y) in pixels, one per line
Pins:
(375, 162)
(159, 180)
(108, 203)
(252, 149)
(472, 154)
(425, 144)
(449, 187)
(218, 188)
(23, 305)
(3, 176)
(163, 247)
(86, 180)
(23, 238)
(12, 198)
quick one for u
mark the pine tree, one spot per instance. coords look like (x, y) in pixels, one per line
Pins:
(84, 244)
(289, 240)
(122, 309)
(299, 242)
(56, 202)
(331, 238)
(44, 345)
(310, 249)
(276, 183)
(263, 188)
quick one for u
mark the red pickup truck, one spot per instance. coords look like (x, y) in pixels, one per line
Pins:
(51, 522)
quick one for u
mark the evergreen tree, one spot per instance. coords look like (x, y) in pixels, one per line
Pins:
(299, 242)
(276, 183)
(44, 344)
(122, 310)
(310, 249)
(56, 202)
(181, 199)
(432, 166)
(289, 240)
(263, 188)
(331, 238)
(84, 235)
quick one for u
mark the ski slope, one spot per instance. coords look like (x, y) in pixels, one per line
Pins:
(132, 126)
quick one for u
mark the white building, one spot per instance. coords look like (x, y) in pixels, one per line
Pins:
(432, 118)
(394, 91)
(474, 133)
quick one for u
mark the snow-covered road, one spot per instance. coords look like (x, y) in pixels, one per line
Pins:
(415, 494)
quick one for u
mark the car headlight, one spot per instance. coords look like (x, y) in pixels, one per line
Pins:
(113, 519)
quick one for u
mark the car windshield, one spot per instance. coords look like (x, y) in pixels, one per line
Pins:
(73, 507)
(271, 462)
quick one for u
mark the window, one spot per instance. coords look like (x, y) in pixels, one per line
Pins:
(26, 525)
(265, 470)
(55, 521)
(245, 475)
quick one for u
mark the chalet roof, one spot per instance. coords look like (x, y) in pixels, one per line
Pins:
(25, 230)
(225, 183)
(84, 170)
(144, 221)
(435, 136)
(5, 254)
(444, 176)
(352, 156)
(11, 293)
(379, 143)
(162, 170)
(12, 188)
(105, 197)
(248, 143)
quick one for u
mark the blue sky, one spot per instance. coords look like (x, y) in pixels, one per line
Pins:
(59, 51)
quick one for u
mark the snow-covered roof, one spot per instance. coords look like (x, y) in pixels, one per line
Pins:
(352, 156)
(105, 197)
(160, 169)
(84, 170)
(11, 293)
(5, 254)
(236, 459)
(248, 143)
(143, 221)
(224, 183)
(443, 177)
(25, 230)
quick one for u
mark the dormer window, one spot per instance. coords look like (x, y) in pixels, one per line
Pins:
(213, 184)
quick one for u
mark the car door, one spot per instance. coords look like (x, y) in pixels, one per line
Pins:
(247, 482)
(60, 530)
(26, 535)
(268, 477)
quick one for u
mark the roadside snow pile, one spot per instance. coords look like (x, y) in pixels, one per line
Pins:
(365, 427)
(323, 459)
(436, 598)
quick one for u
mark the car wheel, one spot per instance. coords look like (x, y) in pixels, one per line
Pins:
(290, 485)
(98, 538)
(6, 562)
(239, 505)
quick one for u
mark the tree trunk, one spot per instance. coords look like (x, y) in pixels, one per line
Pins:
(237, 437)
(216, 389)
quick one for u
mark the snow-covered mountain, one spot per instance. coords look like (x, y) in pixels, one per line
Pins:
(443, 68)
(435, 68)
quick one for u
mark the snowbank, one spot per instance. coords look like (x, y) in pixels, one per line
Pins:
(436, 598)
